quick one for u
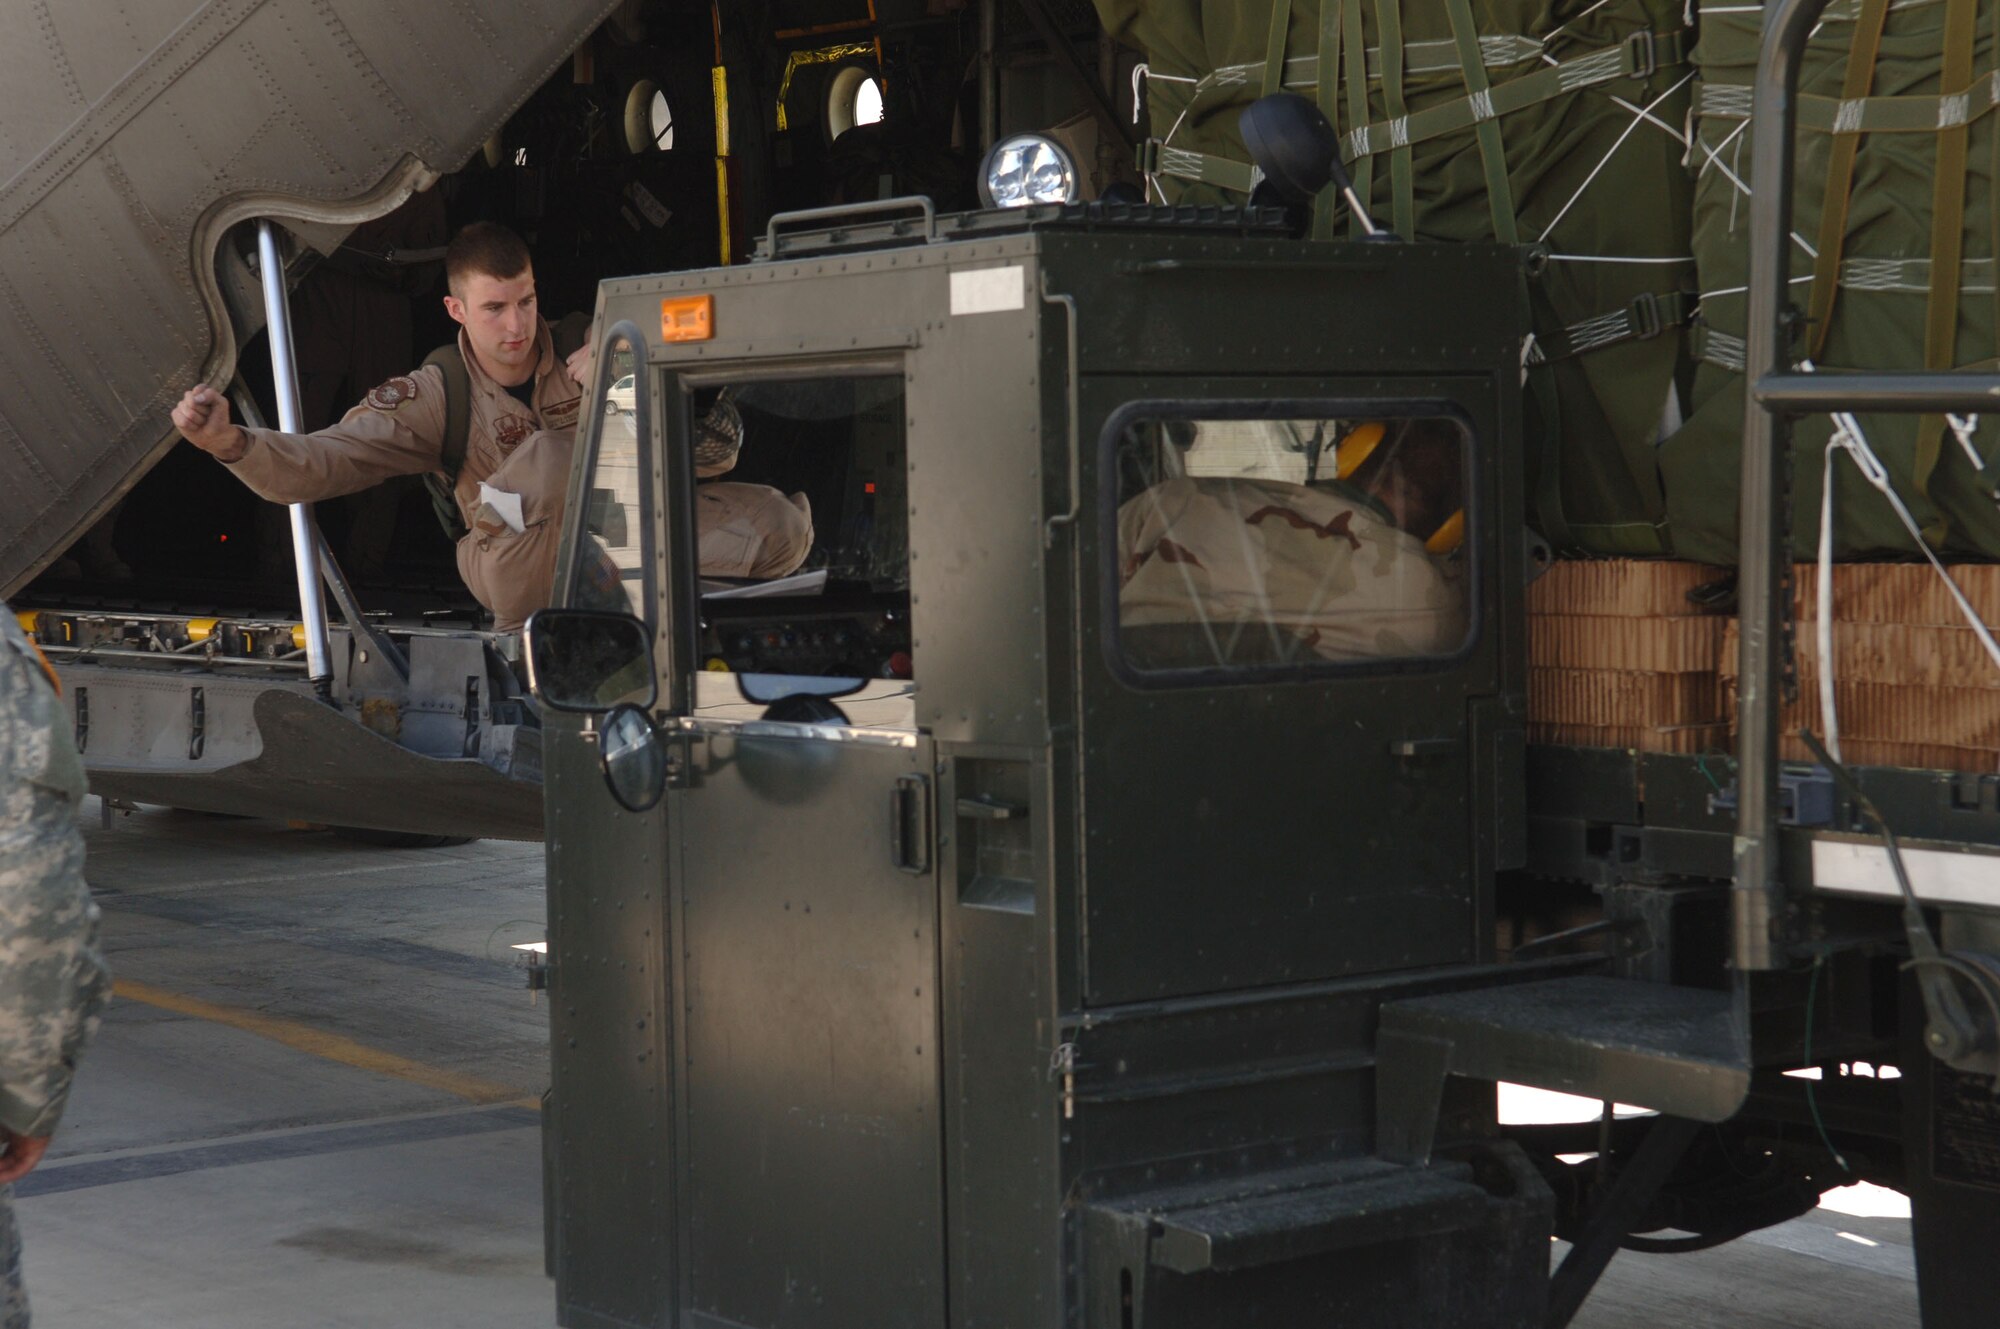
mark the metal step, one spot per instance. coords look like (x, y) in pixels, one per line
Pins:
(1295, 1213)
(1679, 1051)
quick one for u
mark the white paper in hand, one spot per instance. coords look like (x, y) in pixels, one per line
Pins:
(507, 505)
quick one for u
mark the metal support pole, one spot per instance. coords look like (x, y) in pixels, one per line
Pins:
(1910, 392)
(1614, 1214)
(1759, 884)
(1100, 102)
(344, 598)
(989, 74)
(305, 536)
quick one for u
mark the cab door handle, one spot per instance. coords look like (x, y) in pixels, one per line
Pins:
(910, 824)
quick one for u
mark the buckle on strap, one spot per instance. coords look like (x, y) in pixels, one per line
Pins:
(1642, 57)
(1642, 317)
(1149, 157)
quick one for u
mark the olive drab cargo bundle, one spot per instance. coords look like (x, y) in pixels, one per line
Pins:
(1523, 121)
(1893, 251)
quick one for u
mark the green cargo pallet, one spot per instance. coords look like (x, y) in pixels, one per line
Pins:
(1892, 265)
(1552, 124)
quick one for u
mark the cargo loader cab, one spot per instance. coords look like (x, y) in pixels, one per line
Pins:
(988, 921)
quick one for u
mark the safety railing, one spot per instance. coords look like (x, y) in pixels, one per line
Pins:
(1779, 391)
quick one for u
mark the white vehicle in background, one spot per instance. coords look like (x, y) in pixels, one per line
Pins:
(619, 398)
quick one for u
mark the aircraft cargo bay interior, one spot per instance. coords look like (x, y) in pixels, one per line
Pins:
(1078, 664)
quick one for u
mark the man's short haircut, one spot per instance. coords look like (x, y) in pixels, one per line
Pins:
(484, 249)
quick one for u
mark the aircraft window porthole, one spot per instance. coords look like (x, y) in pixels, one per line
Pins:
(868, 103)
(649, 119)
(663, 123)
(853, 97)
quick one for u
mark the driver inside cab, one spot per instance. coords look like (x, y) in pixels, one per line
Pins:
(742, 530)
(1263, 554)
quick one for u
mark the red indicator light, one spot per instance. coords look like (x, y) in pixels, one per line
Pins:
(223, 538)
(868, 488)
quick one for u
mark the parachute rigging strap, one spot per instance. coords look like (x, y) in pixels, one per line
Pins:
(1362, 172)
(1638, 56)
(1863, 115)
(1947, 243)
(1402, 184)
(1645, 318)
(1498, 50)
(1328, 94)
(1159, 158)
(1861, 54)
(1485, 116)
(1274, 46)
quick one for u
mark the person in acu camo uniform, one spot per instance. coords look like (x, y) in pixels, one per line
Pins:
(53, 981)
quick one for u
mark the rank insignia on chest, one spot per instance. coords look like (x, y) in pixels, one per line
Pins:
(388, 396)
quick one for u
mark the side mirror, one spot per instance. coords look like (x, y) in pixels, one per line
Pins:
(1296, 148)
(1292, 143)
(634, 758)
(589, 660)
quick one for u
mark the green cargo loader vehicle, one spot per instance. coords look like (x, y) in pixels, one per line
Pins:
(1072, 901)
(1073, 898)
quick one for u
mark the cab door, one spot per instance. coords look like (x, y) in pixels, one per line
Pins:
(806, 902)
(608, 1120)
(1283, 774)
(809, 917)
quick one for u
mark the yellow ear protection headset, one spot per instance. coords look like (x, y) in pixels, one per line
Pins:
(1357, 447)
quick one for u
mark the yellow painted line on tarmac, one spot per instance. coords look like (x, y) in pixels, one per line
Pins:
(328, 1047)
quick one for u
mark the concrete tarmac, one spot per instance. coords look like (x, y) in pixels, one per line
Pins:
(314, 1101)
(314, 1106)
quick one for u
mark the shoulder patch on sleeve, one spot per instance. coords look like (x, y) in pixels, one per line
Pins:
(388, 396)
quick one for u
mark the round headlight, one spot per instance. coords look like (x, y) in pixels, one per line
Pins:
(1025, 170)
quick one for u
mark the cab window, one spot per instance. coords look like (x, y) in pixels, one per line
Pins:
(1248, 542)
(801, 531)
(613, 564)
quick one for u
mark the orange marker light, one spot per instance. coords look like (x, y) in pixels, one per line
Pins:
(687, 318)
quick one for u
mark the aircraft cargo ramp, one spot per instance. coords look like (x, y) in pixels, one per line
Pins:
(302, 766)
(142, 143)
(138, 134)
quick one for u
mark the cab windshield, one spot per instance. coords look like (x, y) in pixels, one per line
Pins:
(802, 534)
